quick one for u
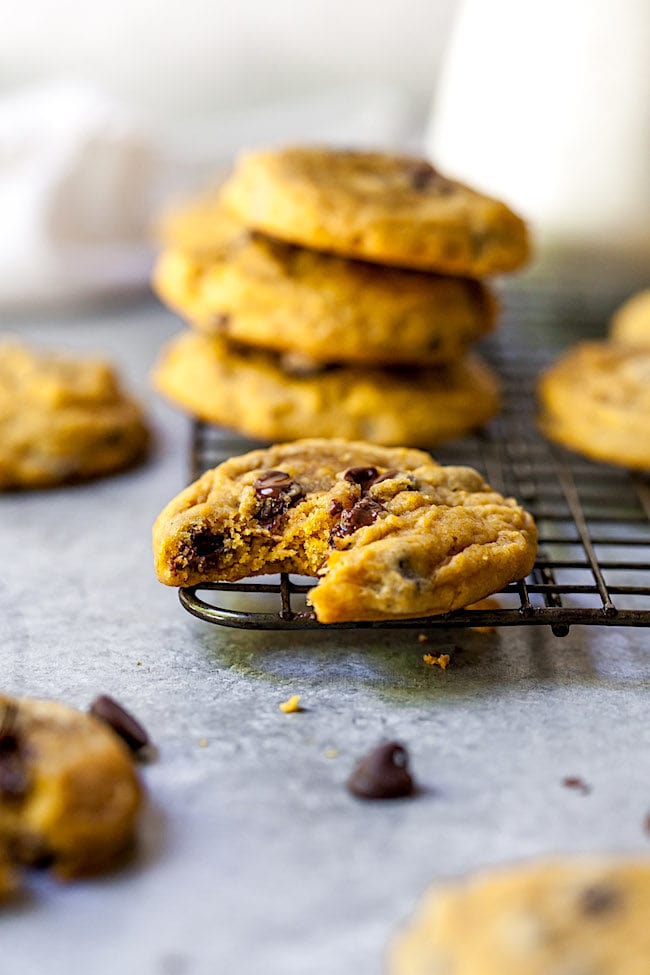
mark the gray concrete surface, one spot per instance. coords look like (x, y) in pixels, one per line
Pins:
(254, 859)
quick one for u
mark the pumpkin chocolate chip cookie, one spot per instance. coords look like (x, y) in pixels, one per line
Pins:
(390, 533)
(62, 418)
(257, 394)
(596, 400)
(69, 794)
(267, 293)
(631, 323)
(376, 207)
(578, 916)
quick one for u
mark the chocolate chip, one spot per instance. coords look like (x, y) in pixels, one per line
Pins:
(13, 774)
(384, 477)
(363, 476)
(382, 774)
(335, 507)
(201, 551)
(599, 899)
(124, 724)
(421, 175)
(363, 513)
(575, 782)
(277, 491)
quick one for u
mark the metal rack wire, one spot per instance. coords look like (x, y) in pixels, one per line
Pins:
(593, 563)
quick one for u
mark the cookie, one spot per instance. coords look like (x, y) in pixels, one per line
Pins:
(69, 794)
(631, 323)
(250, 391)
(596, 400)
(578, 916)
(376, 207)
(389, 533)
(63, 418)
(263, 292)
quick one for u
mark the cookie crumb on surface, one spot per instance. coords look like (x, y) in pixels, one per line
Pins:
(291, 705)
(423, 638)
(441, 661)
(203, 743)
(575, 782)
(331, 753)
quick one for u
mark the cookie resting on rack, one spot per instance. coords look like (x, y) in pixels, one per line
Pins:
(69, 793)
(570, 916)
(267, 398)
(596, 400)
(63, 418)
(390, 533)
(376, 207)
(271, 294)
(631, 323)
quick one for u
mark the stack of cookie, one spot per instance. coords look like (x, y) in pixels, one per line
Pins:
(335, 293)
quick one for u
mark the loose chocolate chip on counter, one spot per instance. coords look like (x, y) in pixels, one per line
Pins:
(360, 515)
(599, 899)
(277, 491)
(382, 774)
(124, 724)
(575, 782)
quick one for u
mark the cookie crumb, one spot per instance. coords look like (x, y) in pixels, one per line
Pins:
(423, 638)
(575, 782)
(331, 753)
(292, 705)
(203, 743)
(441, 661)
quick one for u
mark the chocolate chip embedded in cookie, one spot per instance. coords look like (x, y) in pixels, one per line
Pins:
(377, 207)
(266, 293)
(63, 418)
(570, 915)
(69, 794)
(250, 391)
(389, 533)
(596, 399)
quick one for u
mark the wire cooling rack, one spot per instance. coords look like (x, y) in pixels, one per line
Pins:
(593, 563)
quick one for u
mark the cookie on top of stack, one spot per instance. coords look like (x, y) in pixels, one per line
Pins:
(335, 293)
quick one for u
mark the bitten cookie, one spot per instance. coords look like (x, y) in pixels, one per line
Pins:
(576, 916)
(376, 207)
(251, 392)
(263, 292)
(389, 532)
(69, 794)
(63, 418)
(596, 400)
(631, 323)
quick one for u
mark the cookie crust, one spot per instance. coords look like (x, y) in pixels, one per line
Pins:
(248, 390)
(376, 207)
(271, 294)
(390, 533)
(596, 400)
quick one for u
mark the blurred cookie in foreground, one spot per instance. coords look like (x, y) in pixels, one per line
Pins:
(570, 916)
(376, 207)
(631, 323)
(63, 417)
(388, 532)
(596, 400)
(253, 392)
(69, 793)
(271, 294)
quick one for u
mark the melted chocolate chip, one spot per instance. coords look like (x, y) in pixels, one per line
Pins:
(599, 899)
(382, 774)
(363, 476)
(13, 774)
(335, 507)
(421, 175)
(384, 477)
(124, 724)
(276, 491)
(361, 514)
(201, 552)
